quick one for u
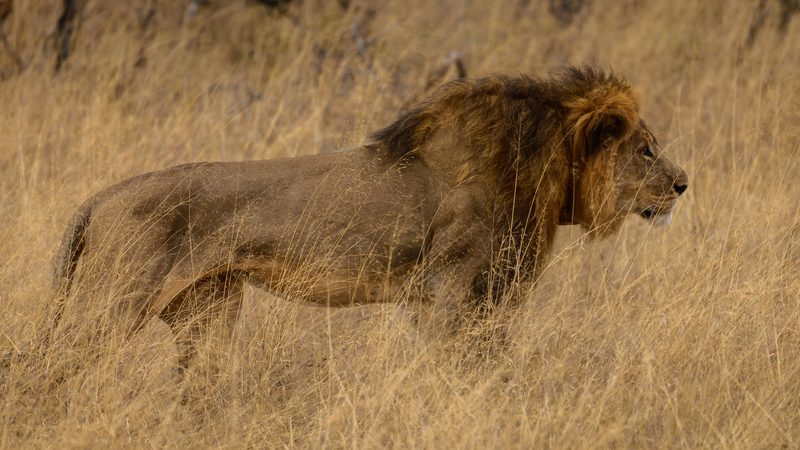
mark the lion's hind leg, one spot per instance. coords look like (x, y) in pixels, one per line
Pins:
(210, 304)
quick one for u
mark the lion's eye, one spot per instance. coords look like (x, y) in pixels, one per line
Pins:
(647, 152)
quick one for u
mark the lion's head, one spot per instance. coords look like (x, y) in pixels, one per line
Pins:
(631, 175)
(621, 169)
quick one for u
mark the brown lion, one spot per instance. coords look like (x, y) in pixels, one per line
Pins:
(460, 197)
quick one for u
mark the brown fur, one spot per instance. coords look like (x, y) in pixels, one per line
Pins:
(462, 195)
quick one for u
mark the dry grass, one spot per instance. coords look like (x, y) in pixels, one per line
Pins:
(687, 336)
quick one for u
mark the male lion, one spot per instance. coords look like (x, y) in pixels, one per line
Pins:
(461, 195)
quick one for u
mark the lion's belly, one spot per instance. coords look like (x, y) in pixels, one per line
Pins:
(347, 274)
(333, 288)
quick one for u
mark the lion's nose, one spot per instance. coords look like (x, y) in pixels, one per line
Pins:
(680, 183)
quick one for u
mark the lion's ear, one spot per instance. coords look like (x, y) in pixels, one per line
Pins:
(602, 116)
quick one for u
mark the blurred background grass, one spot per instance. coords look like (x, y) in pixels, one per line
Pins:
(687, 336)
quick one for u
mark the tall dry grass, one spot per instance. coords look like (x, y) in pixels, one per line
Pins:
(687, 336)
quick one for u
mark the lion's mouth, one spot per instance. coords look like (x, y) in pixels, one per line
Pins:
(657, 216)
(649, 213)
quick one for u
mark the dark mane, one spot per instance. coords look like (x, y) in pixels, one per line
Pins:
(485, 103)
(468, 97)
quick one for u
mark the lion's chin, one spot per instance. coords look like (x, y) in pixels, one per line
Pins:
(662, 220)
(655, 217)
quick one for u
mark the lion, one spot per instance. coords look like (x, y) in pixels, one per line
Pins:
(458, 199)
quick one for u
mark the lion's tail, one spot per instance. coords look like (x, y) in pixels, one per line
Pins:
(66, 262)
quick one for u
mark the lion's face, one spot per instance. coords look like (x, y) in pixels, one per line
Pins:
(632, 177)
(648, 183)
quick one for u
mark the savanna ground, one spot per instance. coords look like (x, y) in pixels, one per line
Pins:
(685, 336)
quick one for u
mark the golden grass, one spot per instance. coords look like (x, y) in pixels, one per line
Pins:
(687, 336)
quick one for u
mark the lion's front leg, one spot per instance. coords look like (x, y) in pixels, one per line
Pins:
(473, 286)
(454, 300)
(458, 261)
(471, 300)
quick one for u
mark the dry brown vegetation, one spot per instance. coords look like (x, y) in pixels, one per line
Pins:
(686, 336)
